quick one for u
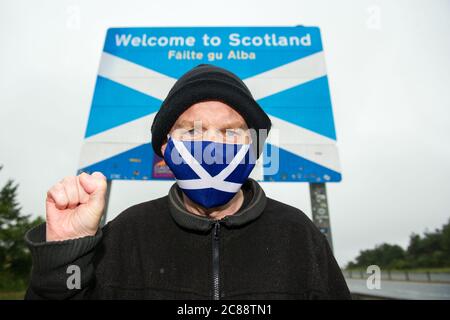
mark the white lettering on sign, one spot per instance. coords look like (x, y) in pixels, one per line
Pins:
(152, 41)
(234, 40)
(271, 40)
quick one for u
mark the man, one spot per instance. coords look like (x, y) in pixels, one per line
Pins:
(214, 236)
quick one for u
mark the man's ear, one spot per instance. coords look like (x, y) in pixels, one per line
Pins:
(163, 148)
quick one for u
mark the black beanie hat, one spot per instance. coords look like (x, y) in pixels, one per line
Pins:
(207, 82)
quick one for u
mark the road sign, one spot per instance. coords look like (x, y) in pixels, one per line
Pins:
(284, 67)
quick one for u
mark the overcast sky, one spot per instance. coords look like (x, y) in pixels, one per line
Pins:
(389, 72)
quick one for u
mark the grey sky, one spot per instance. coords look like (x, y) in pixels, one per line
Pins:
(389, 77)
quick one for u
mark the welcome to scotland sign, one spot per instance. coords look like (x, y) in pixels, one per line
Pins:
(284, 67)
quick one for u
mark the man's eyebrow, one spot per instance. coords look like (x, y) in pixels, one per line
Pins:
(223, 126)
(184, 124)
(234, 125)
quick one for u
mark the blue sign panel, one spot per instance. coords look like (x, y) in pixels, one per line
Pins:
(284, 67)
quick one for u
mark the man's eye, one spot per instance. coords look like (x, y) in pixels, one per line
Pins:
(232, 133)
(193, 131)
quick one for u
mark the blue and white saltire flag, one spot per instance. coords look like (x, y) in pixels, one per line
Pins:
(201, 166)
(284, 67)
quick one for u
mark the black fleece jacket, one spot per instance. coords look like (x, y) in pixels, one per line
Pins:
(158, 250)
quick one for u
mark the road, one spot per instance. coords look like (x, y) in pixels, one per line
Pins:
(402, 290)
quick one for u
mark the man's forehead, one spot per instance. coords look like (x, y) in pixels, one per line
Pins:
(211, 114)
(225, 123)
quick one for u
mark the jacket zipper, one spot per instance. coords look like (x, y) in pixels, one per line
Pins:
(215, 262)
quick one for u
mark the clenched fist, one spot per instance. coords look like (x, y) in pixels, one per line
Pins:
(75, 206)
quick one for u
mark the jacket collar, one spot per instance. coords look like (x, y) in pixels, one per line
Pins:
(247, 214)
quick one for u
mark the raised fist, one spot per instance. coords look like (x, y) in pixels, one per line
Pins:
(74, 206)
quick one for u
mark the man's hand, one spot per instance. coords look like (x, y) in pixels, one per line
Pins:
(75, 206)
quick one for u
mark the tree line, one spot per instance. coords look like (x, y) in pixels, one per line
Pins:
(15, 258)
(430, 250)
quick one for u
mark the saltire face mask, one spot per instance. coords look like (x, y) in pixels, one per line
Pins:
(208, 172)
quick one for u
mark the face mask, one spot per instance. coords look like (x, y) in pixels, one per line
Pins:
(209, 173)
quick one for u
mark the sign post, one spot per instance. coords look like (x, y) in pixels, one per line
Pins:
(107, 196)
(320, 211)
